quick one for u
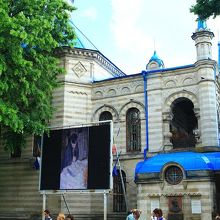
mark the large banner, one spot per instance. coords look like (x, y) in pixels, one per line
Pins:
(77, 158)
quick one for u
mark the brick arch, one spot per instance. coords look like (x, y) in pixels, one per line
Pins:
(103, 108)
(183, 94)
(132, 104)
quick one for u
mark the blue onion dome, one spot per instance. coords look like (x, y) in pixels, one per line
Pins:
(155, 62)
(201, 24)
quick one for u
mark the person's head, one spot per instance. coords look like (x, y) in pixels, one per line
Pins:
(73, 140)
(136, 214)
(60, 216)
(156, 213)
(69, 217)
(74, 145)
(46, 213)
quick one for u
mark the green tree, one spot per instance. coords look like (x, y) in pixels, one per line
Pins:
(30, 32)
(206, 8)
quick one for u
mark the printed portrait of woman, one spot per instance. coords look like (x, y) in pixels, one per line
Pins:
(74, 159)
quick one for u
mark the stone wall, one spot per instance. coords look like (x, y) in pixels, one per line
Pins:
(201, 191)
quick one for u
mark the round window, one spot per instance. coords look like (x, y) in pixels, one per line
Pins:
(173, 175)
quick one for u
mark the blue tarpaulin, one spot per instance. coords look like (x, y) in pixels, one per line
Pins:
(189, 161)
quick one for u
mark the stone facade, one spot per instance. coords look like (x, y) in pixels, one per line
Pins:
(83, 97)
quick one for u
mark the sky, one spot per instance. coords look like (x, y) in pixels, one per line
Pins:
(128, 31)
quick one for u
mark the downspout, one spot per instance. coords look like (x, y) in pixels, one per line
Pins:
(218, 68)
(219, 55)
(146, 113)
(217, 113)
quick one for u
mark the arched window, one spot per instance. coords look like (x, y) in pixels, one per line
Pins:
(183, 124)
(133, 126)
(105, 116)
(118, 193)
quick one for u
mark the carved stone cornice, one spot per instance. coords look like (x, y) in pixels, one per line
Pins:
(93, 54)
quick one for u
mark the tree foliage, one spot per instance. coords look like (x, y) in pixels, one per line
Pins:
(206, 8)
(30, 31)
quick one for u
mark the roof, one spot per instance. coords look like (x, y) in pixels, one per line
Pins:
(189, 161)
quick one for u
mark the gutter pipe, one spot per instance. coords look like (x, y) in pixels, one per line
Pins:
(144, 73)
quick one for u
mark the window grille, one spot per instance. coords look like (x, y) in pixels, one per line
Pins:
(118, 196)
(133, 125)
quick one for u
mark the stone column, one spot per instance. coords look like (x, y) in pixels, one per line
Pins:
(166, 131)
(208, 105)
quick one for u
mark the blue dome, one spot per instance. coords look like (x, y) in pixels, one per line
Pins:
(201, 24)
(189, 161)
(155, 58)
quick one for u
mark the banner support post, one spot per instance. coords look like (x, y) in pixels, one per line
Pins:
(44, 205)
(105, 205)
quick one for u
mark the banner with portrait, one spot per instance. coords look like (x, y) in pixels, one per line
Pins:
(77, 158)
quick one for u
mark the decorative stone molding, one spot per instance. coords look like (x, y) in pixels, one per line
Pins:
(106, 92)
(179, 80)
(125, 90)
(111, 92)
(134, 84)
(98, 94)
(181, 94)
(79, 69)
(168, 194)
(139, 88)
(132, 104)
(170, 83)
(78, 93)
(187, 81)
(103, 108)
(94, 54)
(118, 90)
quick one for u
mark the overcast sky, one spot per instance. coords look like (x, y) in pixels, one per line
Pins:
(127, 32)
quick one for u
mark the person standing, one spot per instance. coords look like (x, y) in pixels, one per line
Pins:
(60, 216)
(154, 214)
(47, 215)
(135, 214)
(157, 214)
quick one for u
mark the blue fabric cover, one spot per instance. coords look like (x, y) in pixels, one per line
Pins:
(190, 161)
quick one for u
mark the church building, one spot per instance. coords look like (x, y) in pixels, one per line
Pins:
(165, 126)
